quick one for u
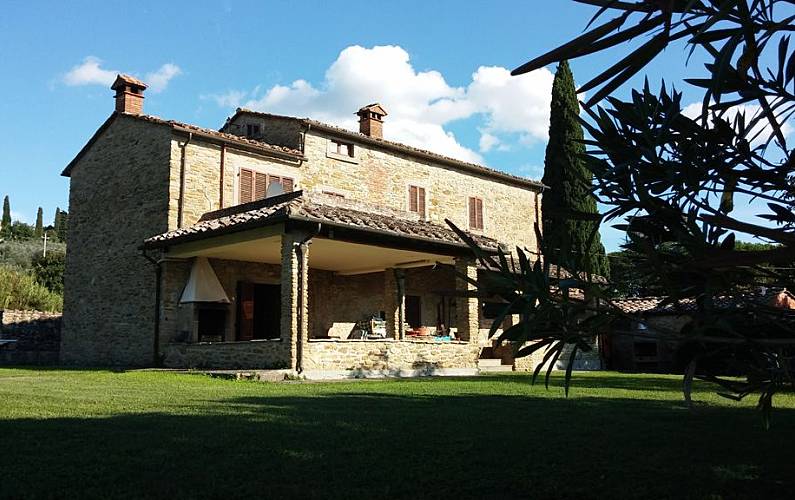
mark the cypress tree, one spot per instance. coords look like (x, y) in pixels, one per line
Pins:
(5, 224)
(63, 225)
(566, 239)
(39, 231)
(56, 222)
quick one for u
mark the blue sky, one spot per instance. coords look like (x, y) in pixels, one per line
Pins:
(439, 67)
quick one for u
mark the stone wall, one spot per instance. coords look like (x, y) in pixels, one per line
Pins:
(118, 197)
(388, 355)
(203, 176)
(37, 337)
(253, 354)
(382, 178)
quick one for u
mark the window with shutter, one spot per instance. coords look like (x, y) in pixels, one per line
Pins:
(475, 213)
(254, 185)
(417, 200)
(246, 185)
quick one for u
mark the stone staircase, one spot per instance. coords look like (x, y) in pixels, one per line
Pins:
(493, 365)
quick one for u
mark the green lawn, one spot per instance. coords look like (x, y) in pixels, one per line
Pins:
(152, 434)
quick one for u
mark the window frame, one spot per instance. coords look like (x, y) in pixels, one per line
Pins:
(334, 146)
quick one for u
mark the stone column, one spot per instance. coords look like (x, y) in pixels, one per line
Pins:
(295, 294)
(394, 302)
(467, 320)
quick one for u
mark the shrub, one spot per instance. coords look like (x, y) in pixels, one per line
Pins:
(19, 290)
(49, 271)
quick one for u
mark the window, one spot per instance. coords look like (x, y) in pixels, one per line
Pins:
(475, 213)
(341, 148)
(254, 185)
(252, 130)
(417, 200)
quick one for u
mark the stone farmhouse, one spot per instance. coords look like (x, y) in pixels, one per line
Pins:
(280, 242)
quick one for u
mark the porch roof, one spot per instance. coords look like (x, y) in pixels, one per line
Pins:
(316, 209)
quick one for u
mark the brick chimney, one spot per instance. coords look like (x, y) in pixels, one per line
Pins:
(129, 94)
(371, 120)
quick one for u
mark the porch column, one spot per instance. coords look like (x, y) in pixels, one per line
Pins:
(295, 296)
(467, 320)
(394, 302)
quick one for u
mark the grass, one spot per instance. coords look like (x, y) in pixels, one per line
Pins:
(102, 434)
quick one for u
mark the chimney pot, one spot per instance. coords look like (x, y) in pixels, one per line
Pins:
(371, 120)
(129, 94)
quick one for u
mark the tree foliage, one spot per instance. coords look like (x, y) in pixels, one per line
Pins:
(5, 222)
(571, 241)
(39, 229)
(674, 180)
(49, 270)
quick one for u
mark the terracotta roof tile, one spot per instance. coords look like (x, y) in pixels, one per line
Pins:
(220, 135)
(771, 297)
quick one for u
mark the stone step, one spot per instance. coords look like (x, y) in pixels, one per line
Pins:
(484, 362)
(500, 368)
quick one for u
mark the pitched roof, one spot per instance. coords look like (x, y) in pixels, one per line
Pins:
(235, 140)
(122, 79)
(780, 298)
(402, 148)
(374, 108)
(299, 206)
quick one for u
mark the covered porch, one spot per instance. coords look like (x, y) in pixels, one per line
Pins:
(325, 290)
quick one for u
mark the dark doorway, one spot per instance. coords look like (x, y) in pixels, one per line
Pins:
(259, 311)
(413, 315)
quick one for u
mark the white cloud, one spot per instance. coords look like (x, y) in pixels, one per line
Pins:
(90, 72)
(762, 131)
(420, 103)
(488, 142)
(158, 80)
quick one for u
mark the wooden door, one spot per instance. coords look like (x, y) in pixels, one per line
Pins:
(245, 311)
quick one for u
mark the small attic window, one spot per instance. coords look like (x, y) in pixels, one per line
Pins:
(252, 130)
(342, 148)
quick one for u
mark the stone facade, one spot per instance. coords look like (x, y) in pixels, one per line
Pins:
(118, 196)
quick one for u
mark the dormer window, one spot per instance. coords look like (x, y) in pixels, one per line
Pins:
(341, 148)
(252, 130)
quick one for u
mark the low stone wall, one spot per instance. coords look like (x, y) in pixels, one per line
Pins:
(388, 355)
(254, 354)
(36, 337)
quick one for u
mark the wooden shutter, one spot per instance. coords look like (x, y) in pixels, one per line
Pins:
(475, 213)
(246, 185)
(287, 184)
(421, 201)
(413, 199)
(260, 185)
